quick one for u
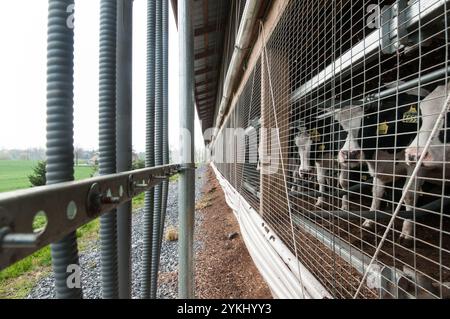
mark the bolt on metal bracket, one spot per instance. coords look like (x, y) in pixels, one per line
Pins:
(96, 199)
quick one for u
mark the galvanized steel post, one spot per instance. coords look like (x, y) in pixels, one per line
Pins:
(60, 150)
(107, 141)
(165, 116)
(149, 150)
(159, 101)
(161, 134)
(124, 137)
(186, 183)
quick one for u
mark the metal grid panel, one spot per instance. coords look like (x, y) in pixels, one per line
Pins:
(236, 150)
(348, 172)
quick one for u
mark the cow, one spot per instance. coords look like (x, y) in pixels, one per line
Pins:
(378, 135)
(439, 150)
(436, 160)
(317, 143)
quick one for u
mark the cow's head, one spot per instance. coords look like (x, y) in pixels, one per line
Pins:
(430, 109)
(350, 118)
(303, 141)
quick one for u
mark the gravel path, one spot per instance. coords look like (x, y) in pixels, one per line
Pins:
(90, 258)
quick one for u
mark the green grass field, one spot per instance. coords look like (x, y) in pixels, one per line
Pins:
(18, 279)
(14, 174)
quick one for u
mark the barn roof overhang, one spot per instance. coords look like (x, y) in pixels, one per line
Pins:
(211, 22)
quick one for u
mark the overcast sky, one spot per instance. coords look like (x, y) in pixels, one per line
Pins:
(23, 36)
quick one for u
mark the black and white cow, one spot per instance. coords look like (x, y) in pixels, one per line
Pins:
(439, 151)
(378, 135)
(317, 144)
(436, 164)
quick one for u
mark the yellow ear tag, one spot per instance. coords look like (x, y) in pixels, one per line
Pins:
(364, 177)
(315, 135)
(410, 116)
(383, 128)
(321, 147)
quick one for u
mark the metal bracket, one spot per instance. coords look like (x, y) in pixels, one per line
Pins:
(187, 166)
(398, 31)
(255, 123)
(406, 284)
(67, 206)
(393, 27)
(393, 284)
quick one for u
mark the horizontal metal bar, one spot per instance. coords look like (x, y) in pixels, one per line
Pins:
(364, 49)
(357, 190)
(419, 212)
(401, 88)
(422, 80)
(353, 256)
(366, 214)
(68, 206)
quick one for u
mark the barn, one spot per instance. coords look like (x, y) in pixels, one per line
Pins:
(331, 146)
(325, 123)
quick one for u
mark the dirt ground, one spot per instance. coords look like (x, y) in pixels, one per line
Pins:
(224, 268)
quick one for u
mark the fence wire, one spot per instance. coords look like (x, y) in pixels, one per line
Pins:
(327, 131)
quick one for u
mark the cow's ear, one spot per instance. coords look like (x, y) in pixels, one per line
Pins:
(337, 116)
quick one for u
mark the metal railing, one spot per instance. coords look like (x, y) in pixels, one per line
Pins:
(66, 207)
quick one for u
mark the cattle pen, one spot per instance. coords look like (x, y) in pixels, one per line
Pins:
(325, 123)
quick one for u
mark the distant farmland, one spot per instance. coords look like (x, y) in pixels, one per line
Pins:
(14, 174)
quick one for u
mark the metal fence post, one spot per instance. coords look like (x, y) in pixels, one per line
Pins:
(60, 150)
(186, 182)
(149, 150)
(124, 138)
(165, 124)
(158, 145)
(107, 141)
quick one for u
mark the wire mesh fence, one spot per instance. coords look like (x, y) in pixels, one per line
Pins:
(339, 140)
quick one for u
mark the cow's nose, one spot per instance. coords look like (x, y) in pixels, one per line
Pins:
(412, 157)
(353, 155)
(305, 172)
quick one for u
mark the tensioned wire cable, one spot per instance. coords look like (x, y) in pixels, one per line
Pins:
(281, 156)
